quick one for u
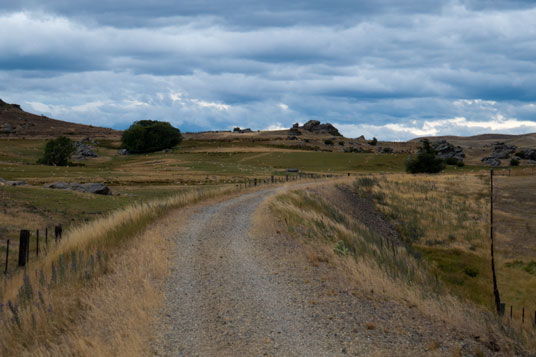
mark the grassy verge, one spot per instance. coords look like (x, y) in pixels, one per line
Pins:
(395, 271)
(83, 280)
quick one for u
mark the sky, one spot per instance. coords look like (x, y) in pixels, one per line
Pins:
(391, 69)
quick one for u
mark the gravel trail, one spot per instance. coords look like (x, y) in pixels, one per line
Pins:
(234, 291)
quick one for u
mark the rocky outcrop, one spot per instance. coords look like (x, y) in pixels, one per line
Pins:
(527, 154)
(314, 126)
(83, 149)
(502, 151)
(499, 151)
(488, 160)
(7, 129)
(445, 150)
(95, 188)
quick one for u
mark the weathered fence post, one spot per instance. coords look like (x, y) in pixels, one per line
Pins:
(37, 243)
(272, 178)
(511, 308)
(495, 288)
(57, 233)
(523, 316)
(24, 247)
(502, 309)
(7, 256)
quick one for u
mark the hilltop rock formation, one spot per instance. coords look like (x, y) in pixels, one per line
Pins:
(527, 154)
(95, 188)
(315, 126)
(445, 150)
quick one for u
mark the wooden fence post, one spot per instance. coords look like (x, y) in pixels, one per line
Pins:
(495, 288)
(7, 256)
(37, 243)
(24, 247)
(58, 232)
(523, 316)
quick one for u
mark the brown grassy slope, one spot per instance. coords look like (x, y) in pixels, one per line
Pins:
(31, 125)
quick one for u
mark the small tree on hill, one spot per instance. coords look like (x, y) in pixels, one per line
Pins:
(150, 135)
(425, 161)
(57, 152)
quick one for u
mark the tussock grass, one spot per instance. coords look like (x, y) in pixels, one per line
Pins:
(89, 295)
(394, 271)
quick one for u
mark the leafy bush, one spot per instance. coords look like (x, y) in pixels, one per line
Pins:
(514, 162)
(460, 164)
(150, 135)
(57, 152)
(328, 142)
(451, 161)
(425, 161)
(373, 142)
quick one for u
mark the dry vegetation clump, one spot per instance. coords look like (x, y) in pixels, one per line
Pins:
(95, 293)
(395, 270)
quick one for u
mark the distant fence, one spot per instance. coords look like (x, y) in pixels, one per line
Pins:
(25, 248)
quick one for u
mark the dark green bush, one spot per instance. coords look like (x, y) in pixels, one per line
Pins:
(425, 161)
(150, 135)
(451, 161)
(341, 143)
(57, 152)
(373, 142)
(328, 142)
(514, 162)
(460, 164)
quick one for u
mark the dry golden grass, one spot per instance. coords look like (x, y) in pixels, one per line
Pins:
(402, 278)
(101, 301)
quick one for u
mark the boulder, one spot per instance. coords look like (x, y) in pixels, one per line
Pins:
(16, 183)
(527, 154)
(124, 152)
(315, 126)
(387, 150)
(7, 129)
(445, 150)
(95, 188)
(2, 181)
(492, 161)
(83, 150)
(502, 151)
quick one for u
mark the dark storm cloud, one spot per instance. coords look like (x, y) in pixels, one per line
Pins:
(382, 67)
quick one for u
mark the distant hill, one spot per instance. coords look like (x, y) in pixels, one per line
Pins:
(15, 122)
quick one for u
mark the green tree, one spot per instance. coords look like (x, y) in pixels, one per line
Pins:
(57, 152)
(425, 161)
(150, 135)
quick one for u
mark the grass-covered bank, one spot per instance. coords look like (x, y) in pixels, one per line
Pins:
(446, 281)
(104, 271)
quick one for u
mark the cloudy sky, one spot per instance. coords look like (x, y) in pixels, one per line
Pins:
(377, 68)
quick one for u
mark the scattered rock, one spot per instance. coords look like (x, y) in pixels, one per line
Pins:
(386, 150)
(7, 129)
(445, 150)
(15, 183)
(124, 152)
(292, 137)
(2, 181)
(488, 160)
(83, 150)
(314, 126)
(95, 188)
(293, 170)
(242, 131)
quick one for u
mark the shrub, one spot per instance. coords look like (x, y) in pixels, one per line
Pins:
(451, 161)
(150, 135)
(57, 152)
(514, 162)
(328, 142)
(341, 143)
(373, 142)
(425, 161)
(460, 164)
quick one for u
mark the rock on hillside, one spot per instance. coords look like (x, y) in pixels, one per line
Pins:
(96, 188)
(445, 150)
(315, 127)
(500, 151)
(83, 149)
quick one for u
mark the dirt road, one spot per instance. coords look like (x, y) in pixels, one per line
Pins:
(234, 291)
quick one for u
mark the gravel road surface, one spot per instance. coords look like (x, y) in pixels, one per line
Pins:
(234, 292)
